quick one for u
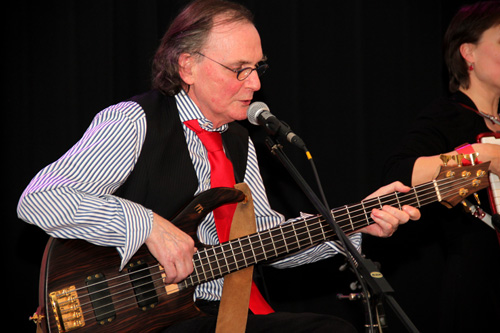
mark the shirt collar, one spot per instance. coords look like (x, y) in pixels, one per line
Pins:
(188, 111)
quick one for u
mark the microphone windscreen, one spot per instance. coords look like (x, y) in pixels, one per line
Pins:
(254, 110)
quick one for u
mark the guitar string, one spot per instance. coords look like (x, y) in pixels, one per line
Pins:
(318, 240)
(243, 253)
(401, 199)
(211, 269)
(364, 204)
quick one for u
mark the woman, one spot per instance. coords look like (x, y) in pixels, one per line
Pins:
(472, 54)
(447, 280)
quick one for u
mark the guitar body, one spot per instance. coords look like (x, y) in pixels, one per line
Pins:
(102, 298)
(62, 254)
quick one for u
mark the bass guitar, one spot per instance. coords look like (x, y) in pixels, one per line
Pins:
(83, 290)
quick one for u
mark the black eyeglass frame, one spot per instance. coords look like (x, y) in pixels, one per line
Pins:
(261, 69)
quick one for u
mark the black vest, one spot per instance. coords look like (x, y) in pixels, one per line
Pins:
(164, 179)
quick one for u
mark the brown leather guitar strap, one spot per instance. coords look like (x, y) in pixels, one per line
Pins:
(233, 310)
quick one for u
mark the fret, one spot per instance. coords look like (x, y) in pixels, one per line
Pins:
(197, 266)
(193, 275)
(291, 230)
(329, 231)
(335, 220)
(222, 256)
(322, 229)
(379, 202)
(416, 197)
(284, 240)
(276, 243)
(309, 234)
(203, 261)
(295, 234)
(366, 215)
(349, 216)
(212, 262)
(397, 199)
(186, 283)
(270, 245)
(242, 255)
(343, 226)
(234, 257)
(262, 246)
(251, 248)
(216, 270)
(258, 248)
(317, 232)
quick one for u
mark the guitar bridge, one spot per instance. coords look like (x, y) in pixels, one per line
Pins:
(67, 310)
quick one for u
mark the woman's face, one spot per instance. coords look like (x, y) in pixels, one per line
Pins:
(485, 56)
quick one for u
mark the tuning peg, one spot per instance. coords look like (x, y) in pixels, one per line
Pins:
(477, 198)
(445, 158)
(471, 158)
(466, 207)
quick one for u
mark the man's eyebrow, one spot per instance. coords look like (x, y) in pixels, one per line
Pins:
(244, 62)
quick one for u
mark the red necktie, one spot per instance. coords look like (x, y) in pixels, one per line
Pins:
(222, 174)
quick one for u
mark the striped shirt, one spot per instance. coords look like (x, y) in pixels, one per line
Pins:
(73, 197)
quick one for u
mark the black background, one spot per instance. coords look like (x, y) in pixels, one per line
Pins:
(347, 76)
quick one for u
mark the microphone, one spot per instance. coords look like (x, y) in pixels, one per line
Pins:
(258, 114)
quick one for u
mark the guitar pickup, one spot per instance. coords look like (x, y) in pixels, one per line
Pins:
(101, 298)
(144, 288)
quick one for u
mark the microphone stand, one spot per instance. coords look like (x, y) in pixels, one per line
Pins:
(364, 268)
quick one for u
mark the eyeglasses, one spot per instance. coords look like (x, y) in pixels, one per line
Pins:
(244, 72)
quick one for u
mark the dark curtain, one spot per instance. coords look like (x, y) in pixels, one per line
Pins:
(347, 76)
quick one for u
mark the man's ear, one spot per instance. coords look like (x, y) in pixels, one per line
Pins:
(186, 64)
(467, 52)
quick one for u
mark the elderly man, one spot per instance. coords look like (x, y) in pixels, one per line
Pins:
(142, 159)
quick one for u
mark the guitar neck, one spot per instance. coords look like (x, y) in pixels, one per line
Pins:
(217, 261)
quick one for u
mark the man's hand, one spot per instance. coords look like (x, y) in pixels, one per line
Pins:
(173, 249)
(389, 218)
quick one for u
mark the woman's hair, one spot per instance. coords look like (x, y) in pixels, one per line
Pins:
(467, 26)
(187, 34)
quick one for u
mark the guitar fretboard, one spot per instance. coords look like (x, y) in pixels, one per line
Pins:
(217, 261)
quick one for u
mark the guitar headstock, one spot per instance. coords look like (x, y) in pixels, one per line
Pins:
(454, 184)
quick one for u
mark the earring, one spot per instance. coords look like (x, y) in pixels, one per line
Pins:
(471, 67)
